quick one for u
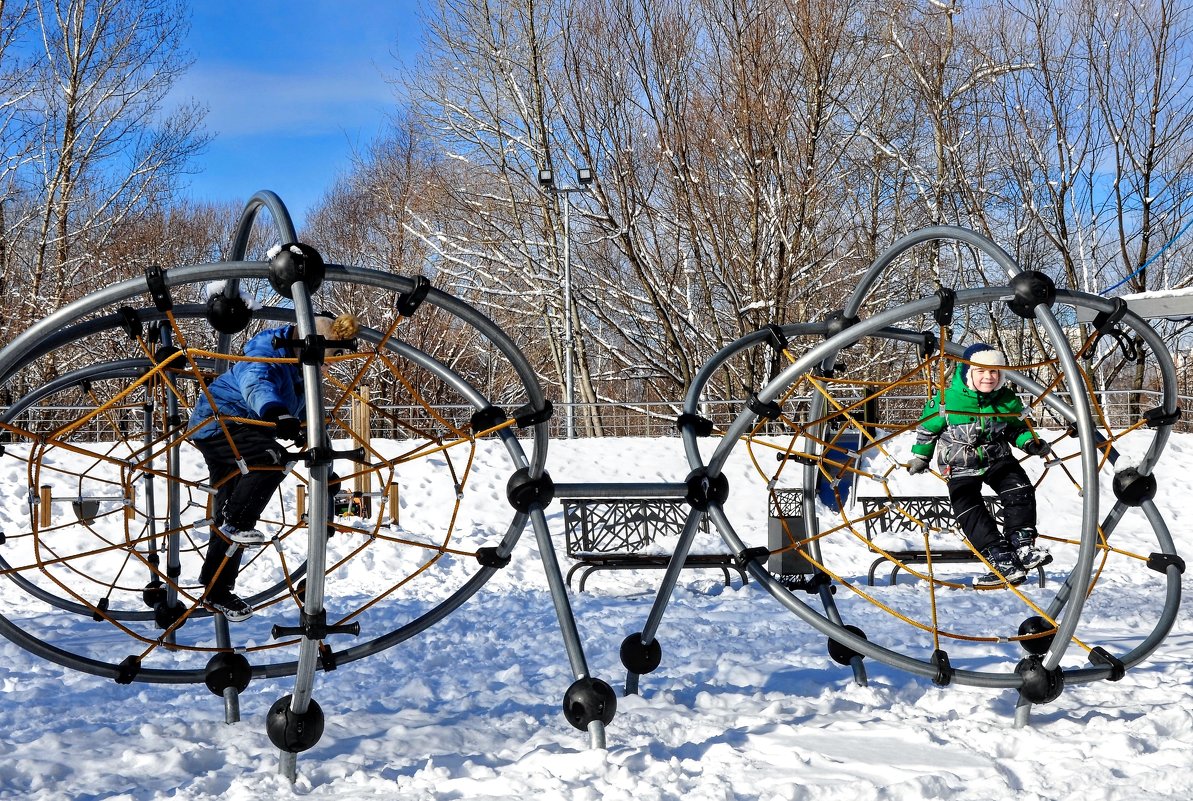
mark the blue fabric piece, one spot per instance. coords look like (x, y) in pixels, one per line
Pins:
(838, 451)
(247, 389)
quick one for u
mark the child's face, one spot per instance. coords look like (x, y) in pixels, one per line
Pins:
(325, 368)
(985, 379)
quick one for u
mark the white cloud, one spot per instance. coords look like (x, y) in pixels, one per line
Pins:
(248, 102)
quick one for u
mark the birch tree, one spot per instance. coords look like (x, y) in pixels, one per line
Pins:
(105, 148)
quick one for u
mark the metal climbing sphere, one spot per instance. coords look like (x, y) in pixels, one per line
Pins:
(126, 519)
(813, 417)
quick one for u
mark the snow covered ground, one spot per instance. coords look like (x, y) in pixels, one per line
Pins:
(746, 704)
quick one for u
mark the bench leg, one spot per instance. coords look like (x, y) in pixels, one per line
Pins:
(584, 576)
(873, 567)
(572, 572)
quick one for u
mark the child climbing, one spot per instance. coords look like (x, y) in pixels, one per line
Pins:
(974, 425)
(266, 402)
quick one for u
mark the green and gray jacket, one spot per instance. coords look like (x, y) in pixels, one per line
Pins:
(975, 430)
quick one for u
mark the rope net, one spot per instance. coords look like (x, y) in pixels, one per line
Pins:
(876, 524)
(119, 512)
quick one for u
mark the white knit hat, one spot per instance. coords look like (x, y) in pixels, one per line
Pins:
(984, 355)
(989, 358)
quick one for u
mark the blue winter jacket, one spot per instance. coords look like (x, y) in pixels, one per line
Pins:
(247, 389)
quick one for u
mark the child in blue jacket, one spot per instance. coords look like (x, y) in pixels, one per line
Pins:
(269, 397)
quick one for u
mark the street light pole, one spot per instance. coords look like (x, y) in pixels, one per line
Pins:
(547, 182)
(569, 340)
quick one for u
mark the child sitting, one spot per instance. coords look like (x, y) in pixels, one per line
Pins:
(975, 424)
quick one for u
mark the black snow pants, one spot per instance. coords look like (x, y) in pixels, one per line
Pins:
(240, 498)
(1015, 491)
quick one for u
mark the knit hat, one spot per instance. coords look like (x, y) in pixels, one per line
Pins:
(983, 354)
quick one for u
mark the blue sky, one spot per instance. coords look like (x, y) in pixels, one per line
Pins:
(292, 88)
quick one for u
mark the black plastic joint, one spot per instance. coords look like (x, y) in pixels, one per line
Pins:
(525, 492)
(314, 627)
(155, 280)
(101, 608)
(944, 670)
(836, 322)
(491, 557)
(527, 415)
(1103, 321)
(327, 658)
(765, 411)
(312, 350)
(166, 354)
(1040, 685)
(314, 457)
(775, 337)
(794, 457)
(408, 302)
(701, 426)
(356, 455)
(929, 344)
(703, 490)
(128, 670)
(487, 418)
(1030, 289)
(130, 321)
(1100, 656)
(944, 312)
(819, 579)
(755, 554)
(1160, 562)
(1155, 418)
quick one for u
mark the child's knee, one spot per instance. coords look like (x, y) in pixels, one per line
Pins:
(1022, 495)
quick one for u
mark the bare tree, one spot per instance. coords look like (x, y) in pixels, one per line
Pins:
(752, 158)
(105, 148)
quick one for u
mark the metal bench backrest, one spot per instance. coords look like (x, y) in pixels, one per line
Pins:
(907, 513)
(603, 525)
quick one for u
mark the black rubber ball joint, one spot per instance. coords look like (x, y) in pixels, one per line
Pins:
(1030, 289)
(295, 262)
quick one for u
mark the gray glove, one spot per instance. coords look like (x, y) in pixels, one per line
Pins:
(1037, 447)
(917, 465)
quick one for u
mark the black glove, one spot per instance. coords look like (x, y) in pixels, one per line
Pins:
(287, 426)
(917, 465)
(1037, 447)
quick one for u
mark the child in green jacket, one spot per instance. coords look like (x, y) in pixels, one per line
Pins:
(973, 428)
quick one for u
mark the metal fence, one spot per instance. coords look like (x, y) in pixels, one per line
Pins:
(1120, 407)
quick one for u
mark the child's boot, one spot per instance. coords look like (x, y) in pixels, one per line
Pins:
(1029, 555)
(1007, 570)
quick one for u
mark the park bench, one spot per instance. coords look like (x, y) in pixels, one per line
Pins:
(903, 515)
(616, 532)
(883, 519)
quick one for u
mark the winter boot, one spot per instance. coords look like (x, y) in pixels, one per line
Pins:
(249, 537)
(1023, 542)
(229, 604)
(1007, 570)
